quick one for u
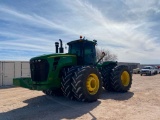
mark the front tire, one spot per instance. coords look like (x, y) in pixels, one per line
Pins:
(150, 74)
(87, 84)
(121, 78)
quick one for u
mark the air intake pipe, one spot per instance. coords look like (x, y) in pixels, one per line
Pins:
(56, 45)
(61, 46)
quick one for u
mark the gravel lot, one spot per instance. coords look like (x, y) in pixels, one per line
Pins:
(142, 102)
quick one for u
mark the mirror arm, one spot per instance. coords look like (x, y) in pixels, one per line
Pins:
(103, 53)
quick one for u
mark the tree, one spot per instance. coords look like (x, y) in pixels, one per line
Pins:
(108, 57)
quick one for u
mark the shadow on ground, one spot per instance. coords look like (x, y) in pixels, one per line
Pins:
(50, 108)
(55, 108)
(116, 95)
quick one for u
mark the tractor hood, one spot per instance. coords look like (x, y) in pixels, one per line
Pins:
(47, 56)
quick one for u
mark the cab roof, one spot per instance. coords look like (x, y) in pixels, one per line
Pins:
(82, 40)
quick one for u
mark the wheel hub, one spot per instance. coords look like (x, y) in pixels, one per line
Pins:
(92, 84)
(125, 78)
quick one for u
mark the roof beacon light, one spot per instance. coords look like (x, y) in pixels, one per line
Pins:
(80, 36)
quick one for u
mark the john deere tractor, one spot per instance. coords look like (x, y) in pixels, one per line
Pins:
(76, 74)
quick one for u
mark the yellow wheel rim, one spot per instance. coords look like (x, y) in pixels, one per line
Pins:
(92, 84)
(125, 78)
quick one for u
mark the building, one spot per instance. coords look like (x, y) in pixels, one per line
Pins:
(131, 66)
(13, 69)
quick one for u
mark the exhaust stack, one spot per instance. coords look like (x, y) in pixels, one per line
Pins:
(61, 46)
(56, 45)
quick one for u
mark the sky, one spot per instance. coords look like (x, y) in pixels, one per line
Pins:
(128, 28)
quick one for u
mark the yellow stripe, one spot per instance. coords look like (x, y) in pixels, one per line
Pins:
(62, 56)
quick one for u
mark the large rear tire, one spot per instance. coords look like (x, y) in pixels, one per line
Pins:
(87, 84)
(106, 74)
(66, 82)
(121, 78)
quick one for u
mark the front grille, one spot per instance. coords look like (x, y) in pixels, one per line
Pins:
(39, 70)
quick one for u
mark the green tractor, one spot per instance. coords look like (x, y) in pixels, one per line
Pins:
(76, 74)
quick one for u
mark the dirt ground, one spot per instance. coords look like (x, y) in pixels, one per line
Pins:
(142, 102)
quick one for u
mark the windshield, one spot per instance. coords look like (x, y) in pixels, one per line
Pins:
(147, 68)
(85, 52)
(75, 49)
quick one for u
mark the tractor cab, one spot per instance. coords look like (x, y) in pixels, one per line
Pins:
(84, 50)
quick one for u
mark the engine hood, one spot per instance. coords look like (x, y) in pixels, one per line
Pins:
(46, 56)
